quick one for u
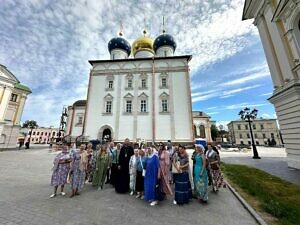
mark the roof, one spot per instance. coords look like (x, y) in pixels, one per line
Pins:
(22, 87)
(80, 103)
(200, 114)
(188, 57)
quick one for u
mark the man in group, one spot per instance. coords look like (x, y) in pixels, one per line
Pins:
(122, 180)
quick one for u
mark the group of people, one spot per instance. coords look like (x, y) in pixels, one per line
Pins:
(146, 172)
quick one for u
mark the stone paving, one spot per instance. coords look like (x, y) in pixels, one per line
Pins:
(273, 161)
(25, 190)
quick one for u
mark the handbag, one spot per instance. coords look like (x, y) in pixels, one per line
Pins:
(214, 166)
(174, 169)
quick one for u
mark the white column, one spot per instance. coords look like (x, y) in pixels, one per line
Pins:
(20, 109)
(4, 102)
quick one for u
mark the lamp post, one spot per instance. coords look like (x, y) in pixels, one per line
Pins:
(248, 116)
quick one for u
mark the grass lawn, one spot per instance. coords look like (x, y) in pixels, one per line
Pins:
(270, 194)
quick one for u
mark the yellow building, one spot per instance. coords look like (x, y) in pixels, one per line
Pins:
(13, 96)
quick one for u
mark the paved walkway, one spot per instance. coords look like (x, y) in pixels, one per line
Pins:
(24, 191)
(273, 161)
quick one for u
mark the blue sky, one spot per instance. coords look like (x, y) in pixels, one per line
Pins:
(47, 45)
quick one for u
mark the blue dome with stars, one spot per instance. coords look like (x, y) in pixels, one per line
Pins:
(119, 43)
(164, 40)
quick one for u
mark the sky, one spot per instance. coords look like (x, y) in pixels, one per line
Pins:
(46, 44)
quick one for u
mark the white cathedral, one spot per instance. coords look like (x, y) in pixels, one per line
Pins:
(143, 97)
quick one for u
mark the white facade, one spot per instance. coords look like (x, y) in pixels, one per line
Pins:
(146, 98)
(12, 100)
(75, 121)
(202, 125)
(278, 23)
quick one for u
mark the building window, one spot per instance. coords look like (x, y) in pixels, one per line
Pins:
(37, 133)
(239, 127)
(164, 82)
(246, 127)
(42, 133)
(264, 135)
(261, 126)
(242, 142)
(108, 106)
(202, 131)
(128, 106)
(110, 84)
(129, 83)
(241, 135)
(144, 83)
(53, 134)
(255, 135)
(254, 127)
(249, 142)
(164, 105)
(32, 139)
(257, 142)
(13, 97)
(248, 135)
(33, 133)
(143, 106)
(80, 119)
(272, 135)
(46, 133)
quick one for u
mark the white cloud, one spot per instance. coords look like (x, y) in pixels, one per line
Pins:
(267, 94)
(246, 79)
(244, 105)
(212, 113)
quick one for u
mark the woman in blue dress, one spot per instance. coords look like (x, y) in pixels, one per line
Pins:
(151, 177)
(200, 175)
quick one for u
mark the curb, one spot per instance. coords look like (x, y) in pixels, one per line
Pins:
(252, 212)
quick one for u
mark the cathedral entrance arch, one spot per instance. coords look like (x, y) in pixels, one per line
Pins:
(105, 133)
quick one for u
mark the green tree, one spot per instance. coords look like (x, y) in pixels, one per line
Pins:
(214, 132)
(30, 124)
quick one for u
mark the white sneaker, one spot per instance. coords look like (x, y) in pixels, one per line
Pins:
(174, 202)
(52, 196)
(153, 203)
(63, 193)
(131, 193)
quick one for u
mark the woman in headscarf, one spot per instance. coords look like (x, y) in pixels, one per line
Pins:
(132, 169)
(101, 167)
(164, 160)
(151, 177)
(78, 169)
(183, 190)
(61, 167)
(200, 175)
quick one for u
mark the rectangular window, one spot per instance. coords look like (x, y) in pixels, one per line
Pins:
(42, 133)
(143, 83)
(108, 107)
(164, 82)
(246, 127)
(249, 142)
(143, 106)
(129, 106)
(13, 97)
(261, 126)
(33, 133)
(264, 135)
(110, 84)
(248, 135)
(241, 136)
(164, 105)
(129, 83)
(37, 133)
(255, 135)
(239, 127)
(53, 134)
(80, 118)
(272, 135)
(46, 133)
(254, 127)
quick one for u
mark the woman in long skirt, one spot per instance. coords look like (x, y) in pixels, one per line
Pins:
(214, 163)
(89, 171)
(101, 168)
(78, 168)
(200, 175)
(60, 170)
(141, 166)
(183, 190)
(164, 160)
(151, 177)
(132, 169)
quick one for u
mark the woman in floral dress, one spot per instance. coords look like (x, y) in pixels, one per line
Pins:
(132, 169)
(78, 170)
(60, 170)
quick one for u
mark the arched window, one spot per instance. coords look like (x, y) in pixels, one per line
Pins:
(108, 102)
(164, 106)
(195, 131)
(202, 131)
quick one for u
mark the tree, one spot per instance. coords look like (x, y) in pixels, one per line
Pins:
(214, 131)
(30, 124)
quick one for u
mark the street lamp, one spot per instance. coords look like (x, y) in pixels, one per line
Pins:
(248, 116)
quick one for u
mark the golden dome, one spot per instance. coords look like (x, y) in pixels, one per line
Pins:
(143, 43)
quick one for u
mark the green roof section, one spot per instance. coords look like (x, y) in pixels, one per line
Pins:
(22, 87)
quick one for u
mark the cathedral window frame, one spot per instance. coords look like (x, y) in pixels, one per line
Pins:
(163, 81)
(143, 99)
(108, 105)
(79, 120)
(128, 103)
(109, 83)
(143, 82)
(164, 106)
(129, 80)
